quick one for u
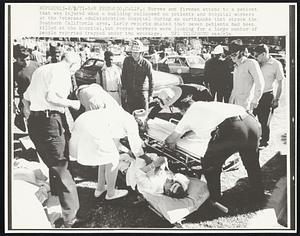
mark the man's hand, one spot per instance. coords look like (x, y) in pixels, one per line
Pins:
(275, 103)
(253, 106)
(75, 104)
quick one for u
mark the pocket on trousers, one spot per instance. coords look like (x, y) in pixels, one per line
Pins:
(53, 128)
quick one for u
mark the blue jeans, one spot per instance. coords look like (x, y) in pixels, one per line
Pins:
(48, 136)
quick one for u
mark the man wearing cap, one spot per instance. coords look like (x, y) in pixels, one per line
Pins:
(135, 85)
(231, 129)
(248, 81)
(111, 77)
(45, 101)
(171, 97)
(217, 75)
(272, 71)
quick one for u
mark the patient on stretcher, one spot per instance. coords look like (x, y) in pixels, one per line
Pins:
(153, 177)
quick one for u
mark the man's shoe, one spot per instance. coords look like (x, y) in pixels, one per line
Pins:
(118, 194)
(76, 223)
(263, 145)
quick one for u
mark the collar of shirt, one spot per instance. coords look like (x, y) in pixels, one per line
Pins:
(139, 62)
(240, 62)
(270, 60)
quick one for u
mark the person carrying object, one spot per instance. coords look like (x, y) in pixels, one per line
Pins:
(96, 136)
(272, 71)
(232, 130)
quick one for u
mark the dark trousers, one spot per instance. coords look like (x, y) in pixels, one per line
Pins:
(241, 135)
(48, 136)
(264, 112)
(222, 93)
(137, 101)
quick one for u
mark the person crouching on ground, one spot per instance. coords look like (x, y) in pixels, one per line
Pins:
(95, 137)
(232, 130)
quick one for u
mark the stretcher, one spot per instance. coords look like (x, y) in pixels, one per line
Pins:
(185, 159)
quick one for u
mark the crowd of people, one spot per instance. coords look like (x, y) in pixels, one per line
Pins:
(244, 88)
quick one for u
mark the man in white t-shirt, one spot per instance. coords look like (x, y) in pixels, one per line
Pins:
(232, 130)
(272, 71)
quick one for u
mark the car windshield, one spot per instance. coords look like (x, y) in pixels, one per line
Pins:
(195, 60)
(88, 63)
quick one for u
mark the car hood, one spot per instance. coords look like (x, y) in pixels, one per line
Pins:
(163, 79)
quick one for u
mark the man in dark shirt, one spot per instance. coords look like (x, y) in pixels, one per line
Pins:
(217, 75)
(23, 68)
(136, 89)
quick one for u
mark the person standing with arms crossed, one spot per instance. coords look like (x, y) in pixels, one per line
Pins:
(136, 89)
(272, 71)
(44, 102)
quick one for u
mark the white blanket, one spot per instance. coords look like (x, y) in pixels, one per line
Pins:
(160, 129)
(172, 209)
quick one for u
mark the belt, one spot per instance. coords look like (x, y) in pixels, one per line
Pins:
(45, 113)
(234, 118)
(112, 91)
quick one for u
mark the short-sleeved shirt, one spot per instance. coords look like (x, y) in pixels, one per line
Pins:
(111, 78)
(272, 70)
(203, 117)
(54, 77)
(248, 83)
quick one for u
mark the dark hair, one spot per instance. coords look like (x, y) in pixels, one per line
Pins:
(180, 193)
(185, 103)
(108, 54)
(261, 49)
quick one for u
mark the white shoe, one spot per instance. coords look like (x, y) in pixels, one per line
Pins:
(98, 193)
(118, 194)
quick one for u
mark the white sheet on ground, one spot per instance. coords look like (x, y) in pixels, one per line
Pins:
(172, 209)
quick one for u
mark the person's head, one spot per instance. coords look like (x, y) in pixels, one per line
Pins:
(22, 56)
(261, 53)
(90, 96)
(180, 51)
(73, 60)
(137, 49)
(108, 57)
(176, 186)
(168, 96)
(218, 51)
(185, 104)
(237, 50)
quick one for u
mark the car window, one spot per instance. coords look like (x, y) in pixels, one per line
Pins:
(99, 63)
(174, 61)
(88, 63)
(195, 60)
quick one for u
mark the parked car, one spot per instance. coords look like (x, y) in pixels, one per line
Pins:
(88, 72)
(190, 68)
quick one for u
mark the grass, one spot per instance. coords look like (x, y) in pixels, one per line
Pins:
(124, 214)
